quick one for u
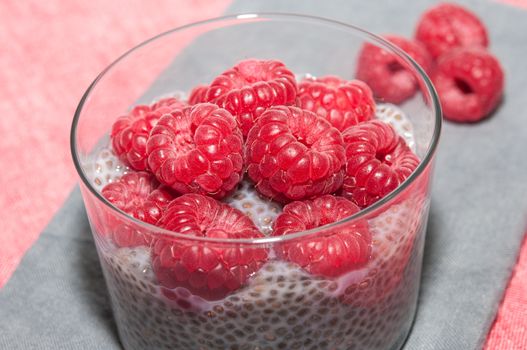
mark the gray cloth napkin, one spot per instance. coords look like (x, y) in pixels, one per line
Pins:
(57, 300)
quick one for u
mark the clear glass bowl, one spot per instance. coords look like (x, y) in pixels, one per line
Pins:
(281, 306)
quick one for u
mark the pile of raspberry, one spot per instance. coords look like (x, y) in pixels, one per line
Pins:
(451, 46)
(312, 145)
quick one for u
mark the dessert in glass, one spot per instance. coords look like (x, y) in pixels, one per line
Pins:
(249, 192)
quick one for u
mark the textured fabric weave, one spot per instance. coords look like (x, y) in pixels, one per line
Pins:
(52, 50)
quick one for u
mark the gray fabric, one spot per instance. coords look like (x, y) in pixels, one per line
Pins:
(56, 298)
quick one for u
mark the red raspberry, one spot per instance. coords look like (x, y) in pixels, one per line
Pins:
(250, 87)
(294, 154)
(447, 26)
(343, 103)
(198, 95)
(378, 160)
(210, 270)
(331, 253)
(130, 132)
(139, 195)
(386, 74)
(469, 82)
(197, 149)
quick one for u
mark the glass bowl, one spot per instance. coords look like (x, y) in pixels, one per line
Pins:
(279, 305)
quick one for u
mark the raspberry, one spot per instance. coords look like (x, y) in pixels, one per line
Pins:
(210, 270)
(294, 154)
(469, 82)
(378, 160)
(198, 94)
(332, 253)
(252, 86)
(343, 103)
(130, 132)
(139, 195)
(447, 26)
(386, 74)
(197, 149)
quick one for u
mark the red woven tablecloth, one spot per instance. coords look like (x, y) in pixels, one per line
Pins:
(51, 51)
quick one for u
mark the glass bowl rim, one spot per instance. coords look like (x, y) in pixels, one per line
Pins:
(423, 164)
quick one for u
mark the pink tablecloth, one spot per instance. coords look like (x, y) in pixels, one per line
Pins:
(51, 51)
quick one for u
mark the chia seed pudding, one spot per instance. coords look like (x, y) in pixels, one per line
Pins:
(281, 306)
